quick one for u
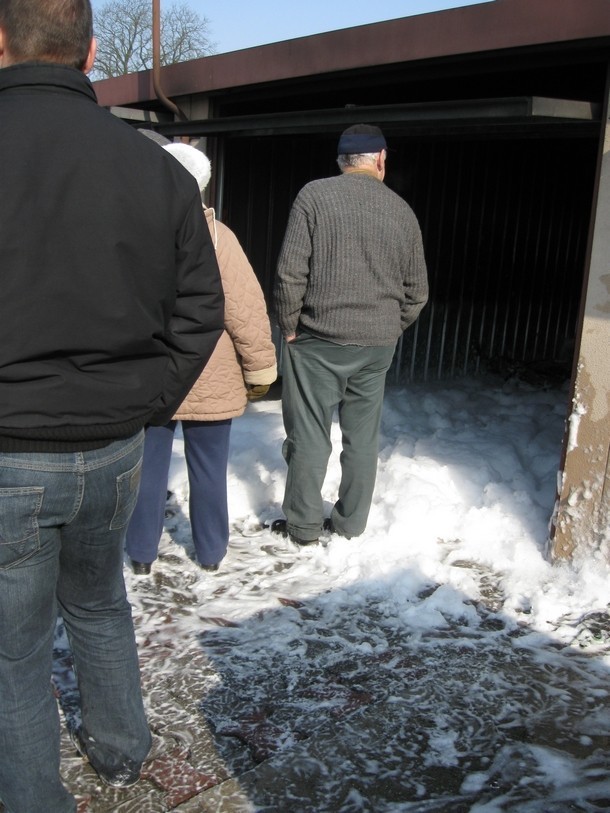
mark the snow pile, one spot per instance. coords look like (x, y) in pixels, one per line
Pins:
(466, 486)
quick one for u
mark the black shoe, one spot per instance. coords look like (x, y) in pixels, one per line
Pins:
(122, 776)
(141, 568)
(279, 526)
(210, 568)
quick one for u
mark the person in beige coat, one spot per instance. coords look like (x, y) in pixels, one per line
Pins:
(242, 367)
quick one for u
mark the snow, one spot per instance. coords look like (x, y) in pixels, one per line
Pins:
(439, 662)
(466, 482)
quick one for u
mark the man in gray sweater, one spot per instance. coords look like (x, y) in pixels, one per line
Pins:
(351, 278)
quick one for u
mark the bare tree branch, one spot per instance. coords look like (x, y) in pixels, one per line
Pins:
(123, 29)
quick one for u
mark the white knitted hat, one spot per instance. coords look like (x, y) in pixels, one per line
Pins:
(194, 160)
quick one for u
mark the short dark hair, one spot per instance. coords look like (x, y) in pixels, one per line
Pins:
(47, 30)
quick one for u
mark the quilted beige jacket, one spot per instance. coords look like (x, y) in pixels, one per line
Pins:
(245, 353)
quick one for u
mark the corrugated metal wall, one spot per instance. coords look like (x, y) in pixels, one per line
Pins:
(504, 224)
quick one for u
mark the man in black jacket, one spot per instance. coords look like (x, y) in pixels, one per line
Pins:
(111, 305)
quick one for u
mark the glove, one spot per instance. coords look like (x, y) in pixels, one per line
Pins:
(256, 391)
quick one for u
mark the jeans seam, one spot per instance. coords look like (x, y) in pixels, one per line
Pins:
(80, 485)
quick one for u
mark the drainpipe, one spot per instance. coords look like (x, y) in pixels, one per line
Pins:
(156, 39)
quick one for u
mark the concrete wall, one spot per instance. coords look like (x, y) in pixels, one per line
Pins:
(581, 522)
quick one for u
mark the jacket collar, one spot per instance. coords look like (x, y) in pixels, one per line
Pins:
(46, 75)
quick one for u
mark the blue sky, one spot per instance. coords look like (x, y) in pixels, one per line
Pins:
(236, 24)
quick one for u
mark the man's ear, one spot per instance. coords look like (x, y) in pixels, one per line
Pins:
(90, 56)
(381, 156)
(1, 48)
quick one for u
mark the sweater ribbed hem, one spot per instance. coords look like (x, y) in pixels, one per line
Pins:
(66, 438)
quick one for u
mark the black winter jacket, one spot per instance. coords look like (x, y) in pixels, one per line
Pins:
(111, 300)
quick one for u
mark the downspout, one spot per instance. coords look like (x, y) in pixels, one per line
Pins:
(156, 41)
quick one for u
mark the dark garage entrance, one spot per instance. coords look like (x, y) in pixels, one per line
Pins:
(504, 222)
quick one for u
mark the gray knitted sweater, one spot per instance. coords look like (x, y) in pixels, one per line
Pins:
(351, 269)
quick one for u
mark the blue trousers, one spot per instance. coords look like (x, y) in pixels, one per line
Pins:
(320, 377)
(63, 518)
(206, 448)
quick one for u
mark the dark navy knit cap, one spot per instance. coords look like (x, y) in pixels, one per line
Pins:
(361, 138)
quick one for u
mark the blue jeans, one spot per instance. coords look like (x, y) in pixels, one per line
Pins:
(63, 519)
(206, 448)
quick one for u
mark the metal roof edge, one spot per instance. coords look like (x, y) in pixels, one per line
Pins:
(480, 28)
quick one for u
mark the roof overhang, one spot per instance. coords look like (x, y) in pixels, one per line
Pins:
(486, 28)
(527, 113)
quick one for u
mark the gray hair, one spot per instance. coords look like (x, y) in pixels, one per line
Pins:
(357, 159)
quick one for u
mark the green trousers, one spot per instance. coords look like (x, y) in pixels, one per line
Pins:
(317, 378)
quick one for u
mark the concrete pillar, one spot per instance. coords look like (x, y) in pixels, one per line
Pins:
(581, 521)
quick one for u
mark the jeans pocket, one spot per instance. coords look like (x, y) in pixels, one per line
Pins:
(19, 534)
(127, 486)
